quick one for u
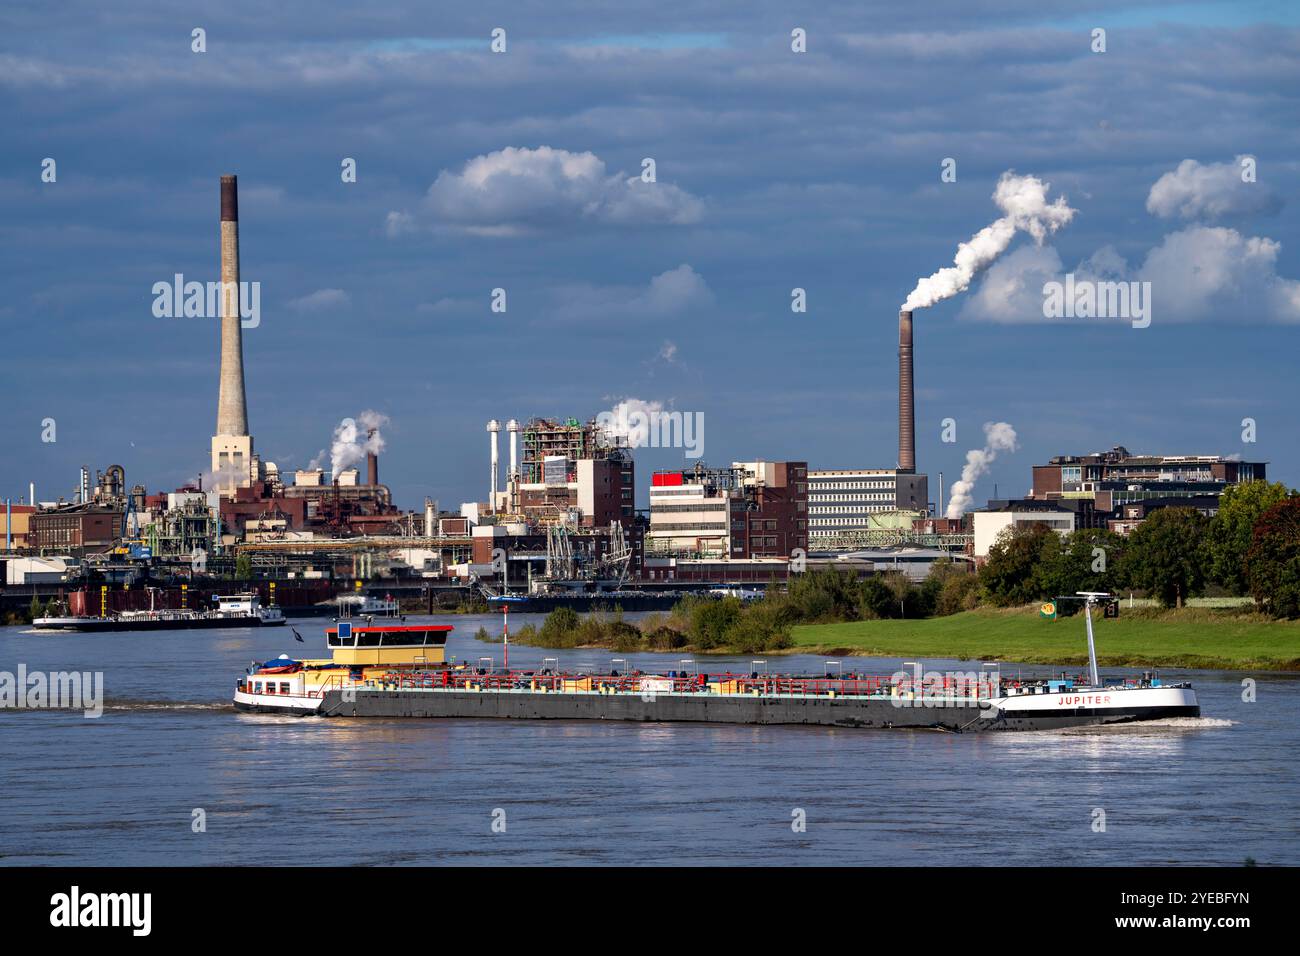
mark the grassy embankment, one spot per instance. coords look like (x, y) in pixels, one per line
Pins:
(1195, 637)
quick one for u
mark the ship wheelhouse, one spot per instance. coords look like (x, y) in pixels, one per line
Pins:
(385, 645)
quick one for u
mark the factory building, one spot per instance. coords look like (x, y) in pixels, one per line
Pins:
(75, 529)
(842, 501)
(1115, 478)
(570, 472)
(17, 526)
(988, 525)
(726, 524)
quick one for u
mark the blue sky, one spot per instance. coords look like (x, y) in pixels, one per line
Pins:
(775, 170)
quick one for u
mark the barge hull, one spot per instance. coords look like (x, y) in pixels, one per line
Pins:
(882, 713)
(68, 624)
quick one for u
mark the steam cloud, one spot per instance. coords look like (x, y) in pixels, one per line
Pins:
(352, 440)
(998, 437)
(1023, 200)
(630, 419)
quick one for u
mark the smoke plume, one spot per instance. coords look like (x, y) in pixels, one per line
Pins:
(353, 438)
(1023, 201)
(998, 437)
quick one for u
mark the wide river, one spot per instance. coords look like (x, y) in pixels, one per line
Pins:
(125, 788)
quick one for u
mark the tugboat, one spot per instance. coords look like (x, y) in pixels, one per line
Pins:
(391, 670)
(232, 610)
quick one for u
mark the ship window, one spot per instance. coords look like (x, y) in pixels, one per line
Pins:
(397, 639)
(257, 687)
(284, 687)
(368, 638)
(270, 687)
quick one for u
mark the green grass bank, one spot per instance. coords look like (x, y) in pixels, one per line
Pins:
(1194, 637)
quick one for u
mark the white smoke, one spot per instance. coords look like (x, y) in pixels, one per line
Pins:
(1023, 200)
(353, 439)
(998, 437)
(631, 419)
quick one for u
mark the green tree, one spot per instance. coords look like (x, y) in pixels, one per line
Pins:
(1231, 531)
(710, 621)
(1013, 573)
(876, 600)
(558, 627)
(1089, 559)
(824, 594)
(1166, 555)
(1273, 561)
(243, 567)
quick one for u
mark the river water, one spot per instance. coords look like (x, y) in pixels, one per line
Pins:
(125, 788)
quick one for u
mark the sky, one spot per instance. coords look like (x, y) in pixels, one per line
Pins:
(522, 170)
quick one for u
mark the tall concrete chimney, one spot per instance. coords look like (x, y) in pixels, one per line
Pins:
(232, 411)
(372, 462)
(494, 430)
(906, 400)
(233, 463)
(512, 476)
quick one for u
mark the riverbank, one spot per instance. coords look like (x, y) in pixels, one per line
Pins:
(1194, 638)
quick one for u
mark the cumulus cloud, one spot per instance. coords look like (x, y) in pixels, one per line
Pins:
(517, 191)
(1201, 273)
(674, 292)
(1209, 191)
(1211, 272)
(320, 301)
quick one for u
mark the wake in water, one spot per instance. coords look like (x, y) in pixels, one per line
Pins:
(128, 704)
(1167, 723)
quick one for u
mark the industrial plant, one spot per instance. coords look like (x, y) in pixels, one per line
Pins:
(559, 523)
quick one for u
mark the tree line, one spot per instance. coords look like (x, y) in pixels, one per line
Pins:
(1250, 547)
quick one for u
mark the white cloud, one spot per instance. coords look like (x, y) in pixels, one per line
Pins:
(674, 292)
(517, 190)
(669, 352)
(1201, 273)
(1209, 191)
(1209, 272)
(1012, 290)
(320, 300)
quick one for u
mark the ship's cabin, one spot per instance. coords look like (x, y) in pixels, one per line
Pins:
(388, 644)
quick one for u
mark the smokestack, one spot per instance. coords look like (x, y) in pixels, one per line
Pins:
(428, 518)
(232, 412)
(906, 400)
(372, 461)
(512, 476)
(494, 429)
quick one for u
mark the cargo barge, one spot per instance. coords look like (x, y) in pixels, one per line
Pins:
(400, 671)
(232, 610)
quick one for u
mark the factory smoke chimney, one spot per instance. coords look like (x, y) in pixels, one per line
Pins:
(232, 412)
(372, 459)
(233, 462)
(494, 429)
(906, 400)
(512, 476)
